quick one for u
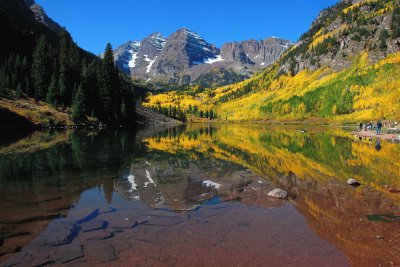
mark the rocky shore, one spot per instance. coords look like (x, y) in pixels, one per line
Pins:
(395, 137)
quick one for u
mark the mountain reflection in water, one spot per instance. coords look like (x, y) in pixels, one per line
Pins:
(168, 197)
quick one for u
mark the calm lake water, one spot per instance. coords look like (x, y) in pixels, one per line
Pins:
(196, 196)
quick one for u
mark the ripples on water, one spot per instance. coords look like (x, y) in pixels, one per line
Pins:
(196, 195)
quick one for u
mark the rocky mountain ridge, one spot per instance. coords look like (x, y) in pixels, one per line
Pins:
(342, 31)
(41, 16)
(185, 57)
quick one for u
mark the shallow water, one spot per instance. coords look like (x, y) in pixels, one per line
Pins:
(196, 195)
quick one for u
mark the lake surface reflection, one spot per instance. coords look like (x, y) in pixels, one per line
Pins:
(196, 195)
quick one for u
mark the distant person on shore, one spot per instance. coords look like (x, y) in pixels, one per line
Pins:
(378, 127)
(361, 127)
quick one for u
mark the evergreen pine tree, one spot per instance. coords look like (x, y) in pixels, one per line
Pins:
(53, 93)
(25, 75)
(382, 37)
(109, 83)
(90, 86)
(78, 105)
(62, 85)
(41, 69)
(19, 90)
(395, 23)
(17, 73)
(65, 81)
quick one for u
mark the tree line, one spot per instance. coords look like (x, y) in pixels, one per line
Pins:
(178, 113)
(68, 79)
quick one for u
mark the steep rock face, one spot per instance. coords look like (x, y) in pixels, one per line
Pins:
(270, 49)
(21, 27)
(341, 32)
(235, 52)
(41, 16)
(255, 53)
(183, 49)
(150, 49)
(125, 56)
(185, 58)
(194, 48)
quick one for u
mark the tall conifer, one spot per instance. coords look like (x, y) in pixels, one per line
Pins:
(109, 84)
(78, 108)
(41, 69)
(53, 93)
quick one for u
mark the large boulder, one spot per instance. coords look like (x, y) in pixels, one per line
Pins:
(278, 193)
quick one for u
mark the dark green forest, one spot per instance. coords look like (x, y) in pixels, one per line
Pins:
(46, 64)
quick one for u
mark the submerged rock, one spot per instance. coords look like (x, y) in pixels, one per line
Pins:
(352, 182)
(278, 193)
(58, 232)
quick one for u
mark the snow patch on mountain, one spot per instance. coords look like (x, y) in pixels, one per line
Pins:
(132, 62)
(213, 60)
(146, 58)
(125, 55)
(148, 68)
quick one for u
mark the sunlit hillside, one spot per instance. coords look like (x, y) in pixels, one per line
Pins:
(346, 68)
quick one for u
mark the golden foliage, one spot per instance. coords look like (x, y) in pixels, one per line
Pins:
(376, 98)
(319, 154)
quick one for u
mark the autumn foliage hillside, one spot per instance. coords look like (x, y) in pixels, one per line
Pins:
(346, 68)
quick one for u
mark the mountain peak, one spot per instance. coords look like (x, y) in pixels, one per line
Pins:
(185, 56)
(191, 33)
(185, 29)
(133, 44)
(41, 16)
(157, 40)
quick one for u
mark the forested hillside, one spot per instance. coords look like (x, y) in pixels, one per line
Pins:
(345, 68)
(44, 63)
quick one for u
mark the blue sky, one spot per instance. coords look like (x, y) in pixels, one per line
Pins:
(93, 23)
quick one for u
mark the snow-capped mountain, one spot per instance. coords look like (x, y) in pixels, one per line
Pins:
(126, 55)
(185, 57)
(183, 49)
(150, 49)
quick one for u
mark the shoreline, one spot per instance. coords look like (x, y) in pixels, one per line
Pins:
(372, 134)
